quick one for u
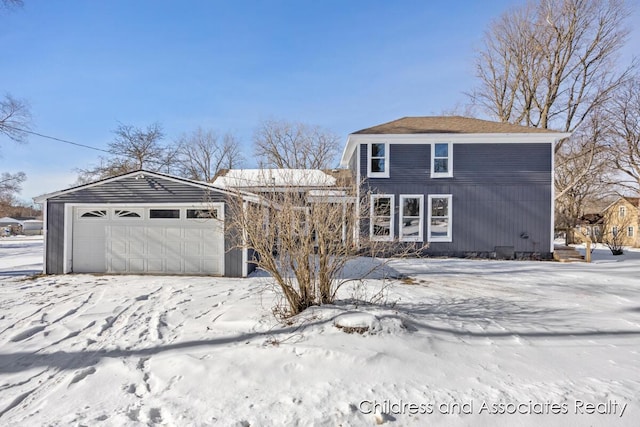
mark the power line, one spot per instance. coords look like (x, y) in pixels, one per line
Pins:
(56, 139)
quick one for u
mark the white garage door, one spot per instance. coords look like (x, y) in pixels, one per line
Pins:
(158, 239)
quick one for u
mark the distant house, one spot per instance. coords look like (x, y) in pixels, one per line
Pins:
(622, 216)
(591, 225)
(465, 187)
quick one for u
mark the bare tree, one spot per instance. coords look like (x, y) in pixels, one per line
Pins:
(550, 63)
(295, 145)
(625, 133)
(132, 149)
(11, 184)
(11, 4)
(306, 240)
(15, 118)
(202, 153)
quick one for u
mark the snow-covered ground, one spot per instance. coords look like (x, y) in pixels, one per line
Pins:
(457, 342)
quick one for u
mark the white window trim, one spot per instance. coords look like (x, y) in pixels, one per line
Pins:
(385, 173)
(622, 211)
(630, 231)
(420, 236)
(448, 237)
(392, 203)
(449, 173)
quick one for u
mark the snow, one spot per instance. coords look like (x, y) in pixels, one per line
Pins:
(246, 178)
(449, 342)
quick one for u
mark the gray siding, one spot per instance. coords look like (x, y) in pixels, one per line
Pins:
(150, 189)
(499, 192)
(55, 238)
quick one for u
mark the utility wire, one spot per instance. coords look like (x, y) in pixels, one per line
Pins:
(55, 139)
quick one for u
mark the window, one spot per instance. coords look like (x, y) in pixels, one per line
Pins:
(622, 211)
(439, 225)
(629, 231)
(125, 213)
(411, 218)
(381, 226)
(441, 160)
(164, 213)
(93, 213)
(614, 231)
(378, 162)
(202, 213)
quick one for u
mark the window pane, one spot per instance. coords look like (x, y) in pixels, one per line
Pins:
(441, 150)
(440, 207)
(127, 214)
(164, 213)
(441, 165)
(377, 165)
(381, 227)
(202, 213)
(411, 227)
(377, 150)
(439, 227)
(411, 207)
(382, 206)
(94, 214)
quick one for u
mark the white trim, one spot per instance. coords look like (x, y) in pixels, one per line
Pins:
(355, 140)
(552, 235)
(449, 236)
(385, 173)
(392, 209)
(245, 249)
(356, 231)
(449, 172)
(45, 207)
(67, 248)
(419, 237)
(630, 231)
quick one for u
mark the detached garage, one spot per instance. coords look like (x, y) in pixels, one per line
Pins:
(140, 223)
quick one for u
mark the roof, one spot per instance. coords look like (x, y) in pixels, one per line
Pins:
(421, 130)
(634, 201)
(141, 172)
(447, 124)
(252, 178)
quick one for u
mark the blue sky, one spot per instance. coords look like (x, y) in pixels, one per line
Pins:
(84, 66)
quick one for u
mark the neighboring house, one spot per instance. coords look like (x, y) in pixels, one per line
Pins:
(622, 216)
(591, 225)
(465, 187)
(141, 222)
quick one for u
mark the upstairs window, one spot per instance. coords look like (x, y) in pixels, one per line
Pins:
(381, 224)
(378, 161)
(441, 160)
(439, 226)
(622, 211)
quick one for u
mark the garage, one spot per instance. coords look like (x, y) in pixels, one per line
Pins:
(142, 222)
(162, 239)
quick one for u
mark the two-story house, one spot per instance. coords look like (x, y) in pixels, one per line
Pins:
(465, 187)
(621, 220)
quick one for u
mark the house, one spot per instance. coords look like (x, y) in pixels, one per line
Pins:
(141, 223)
(464, 186)
(591, 225)
(623, 216)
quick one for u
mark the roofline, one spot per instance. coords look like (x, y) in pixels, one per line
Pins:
(616, 201)
(44, 197)
(425, 138)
